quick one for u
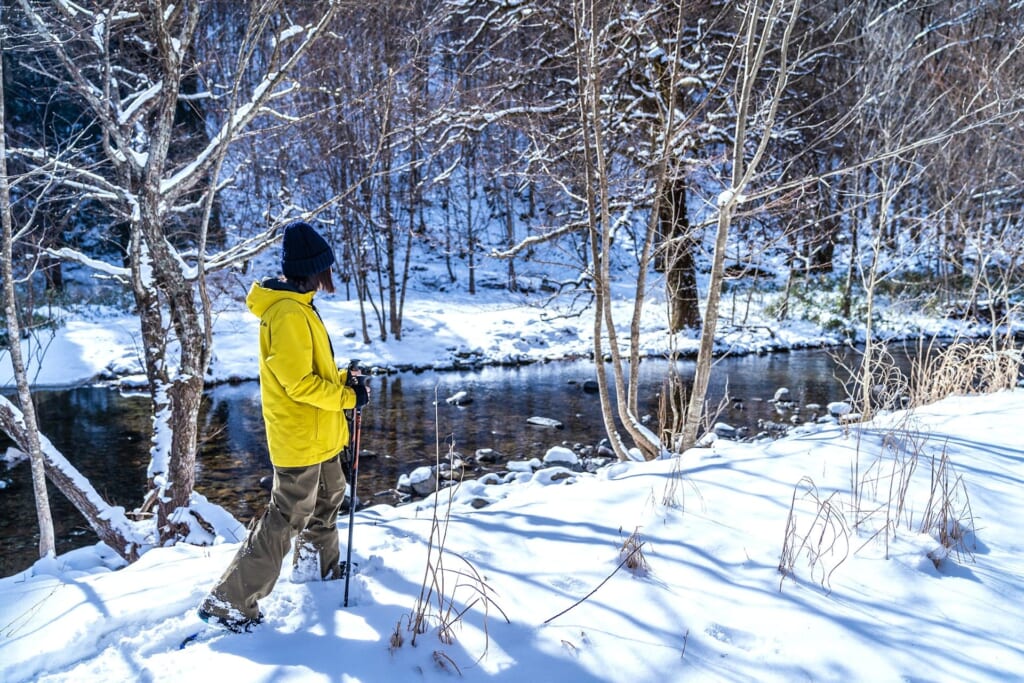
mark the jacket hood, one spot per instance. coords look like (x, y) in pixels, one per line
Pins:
(263, 295)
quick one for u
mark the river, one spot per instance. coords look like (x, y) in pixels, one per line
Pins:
(105, 433)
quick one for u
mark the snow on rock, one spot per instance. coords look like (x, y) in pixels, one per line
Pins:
(724, 430)
(839, 408)
(560, 455)
(554, 475)
(524, 465)
(422, 481)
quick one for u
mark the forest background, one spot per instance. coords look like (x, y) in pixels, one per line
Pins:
(836, 151)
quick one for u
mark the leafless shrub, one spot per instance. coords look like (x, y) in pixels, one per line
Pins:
(873, 380)
(825, 541)
(443, 596)
(443, 599)
(960, 368)
(672, 405)
(964, 368)
(905, 448)
(948, 516)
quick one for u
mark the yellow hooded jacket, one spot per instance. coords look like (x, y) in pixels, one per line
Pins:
(302, 390)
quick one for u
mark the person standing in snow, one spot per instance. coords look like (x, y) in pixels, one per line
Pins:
(304, 397)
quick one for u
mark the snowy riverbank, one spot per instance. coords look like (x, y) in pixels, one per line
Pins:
(861, 603)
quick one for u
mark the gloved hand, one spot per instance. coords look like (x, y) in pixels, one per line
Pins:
(358, 384)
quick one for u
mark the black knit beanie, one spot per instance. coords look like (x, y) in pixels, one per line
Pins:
(304, 253)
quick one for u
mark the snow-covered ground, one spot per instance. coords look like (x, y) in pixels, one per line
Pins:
(862, 603)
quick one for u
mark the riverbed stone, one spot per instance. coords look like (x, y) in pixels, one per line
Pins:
(724, 430)
(453, 470)
(422, 481)
(559, 455)
(487, 455)
(459, 398)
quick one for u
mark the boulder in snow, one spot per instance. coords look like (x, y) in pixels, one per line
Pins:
(782, 397)
(487, 455)
(524, 465)
(726, 431)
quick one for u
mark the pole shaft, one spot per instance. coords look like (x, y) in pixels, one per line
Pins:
(358, 423)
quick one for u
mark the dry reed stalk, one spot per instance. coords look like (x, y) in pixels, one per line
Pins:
(826, 542)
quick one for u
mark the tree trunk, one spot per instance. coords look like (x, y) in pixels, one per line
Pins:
(680, 270)
(47, 544)
(510, 233)
(702, 374)
(470, 189)
(598, 231)
(183, 394)
(759, 25)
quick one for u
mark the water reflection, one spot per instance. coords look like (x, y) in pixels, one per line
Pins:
(406, 424)
(105, 435)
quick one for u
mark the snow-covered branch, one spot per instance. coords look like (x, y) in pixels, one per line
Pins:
(67, 254)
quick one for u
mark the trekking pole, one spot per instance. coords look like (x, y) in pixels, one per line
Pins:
(357, 428)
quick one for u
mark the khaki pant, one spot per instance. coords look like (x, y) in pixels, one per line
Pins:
(303, 501)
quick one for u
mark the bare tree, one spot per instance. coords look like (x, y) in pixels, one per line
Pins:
(47, 544)
(132, 65)
(766, 27)
(21, 425)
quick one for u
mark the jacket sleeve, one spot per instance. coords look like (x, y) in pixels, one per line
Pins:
(290, 359)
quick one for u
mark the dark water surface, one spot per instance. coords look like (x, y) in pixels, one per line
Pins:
(105, 434)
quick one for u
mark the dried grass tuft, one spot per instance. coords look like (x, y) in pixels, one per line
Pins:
(632, 555)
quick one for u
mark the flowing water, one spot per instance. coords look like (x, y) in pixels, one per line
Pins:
(408, 421)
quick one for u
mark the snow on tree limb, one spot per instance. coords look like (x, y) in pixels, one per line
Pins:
(136, 102)
(68, 254)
